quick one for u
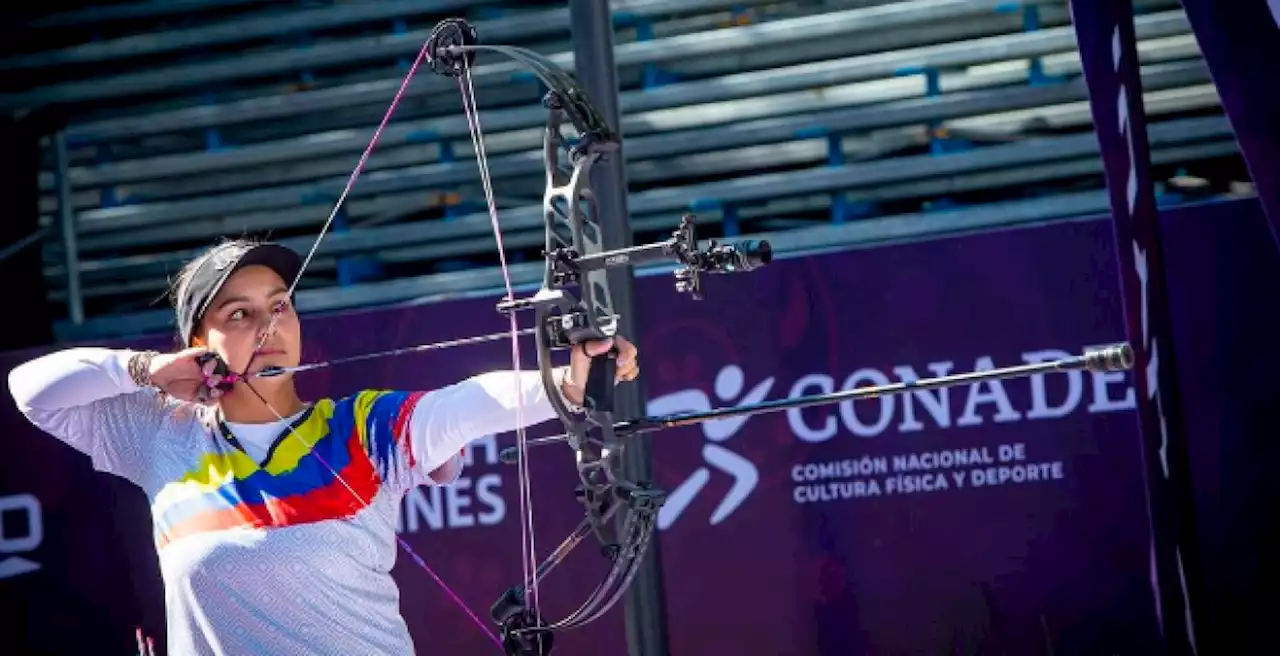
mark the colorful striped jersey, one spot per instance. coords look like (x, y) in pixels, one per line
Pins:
(278, 556)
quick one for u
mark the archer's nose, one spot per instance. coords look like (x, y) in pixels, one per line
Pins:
(267, 329)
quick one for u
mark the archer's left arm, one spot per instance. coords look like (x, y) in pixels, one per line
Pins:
(446, 420)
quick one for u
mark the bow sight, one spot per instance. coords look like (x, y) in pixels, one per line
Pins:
(565, 319)
(567, 265)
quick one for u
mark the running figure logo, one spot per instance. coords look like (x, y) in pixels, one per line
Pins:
(729, 383)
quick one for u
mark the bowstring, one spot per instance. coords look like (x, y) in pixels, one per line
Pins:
(529, 560)
(346, 190)
(275, 316)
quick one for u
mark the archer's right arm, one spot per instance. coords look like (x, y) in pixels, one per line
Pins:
(86, 398)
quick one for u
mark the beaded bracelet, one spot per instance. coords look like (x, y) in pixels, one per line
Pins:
(140, 368)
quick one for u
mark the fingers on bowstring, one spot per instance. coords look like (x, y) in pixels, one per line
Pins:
(196, 390)
(207, 395)
(212, 379)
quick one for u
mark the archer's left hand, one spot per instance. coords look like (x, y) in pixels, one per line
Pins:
(628, 364)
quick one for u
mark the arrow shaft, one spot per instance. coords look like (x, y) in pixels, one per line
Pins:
(434, 346)
(651, 424)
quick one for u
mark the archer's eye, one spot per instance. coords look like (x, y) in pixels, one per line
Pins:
(237, 315)
(280, 307)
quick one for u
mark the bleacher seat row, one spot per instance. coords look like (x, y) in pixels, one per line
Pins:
(807, 120)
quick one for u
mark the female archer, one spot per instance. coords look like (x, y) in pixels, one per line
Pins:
(273, 517)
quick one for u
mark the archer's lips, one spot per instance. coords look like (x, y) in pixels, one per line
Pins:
(271, 352)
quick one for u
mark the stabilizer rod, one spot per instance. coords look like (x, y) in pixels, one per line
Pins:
(1118, 357)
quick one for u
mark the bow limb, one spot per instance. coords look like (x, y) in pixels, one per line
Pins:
(586, 118)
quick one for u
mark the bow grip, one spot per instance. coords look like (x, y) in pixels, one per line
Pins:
(598, 391)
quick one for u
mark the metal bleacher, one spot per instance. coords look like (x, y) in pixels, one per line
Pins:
(816, 123)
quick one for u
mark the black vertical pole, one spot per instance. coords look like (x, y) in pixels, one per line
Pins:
(1109, 58)
(21, 236)
(67, 229)
(591, 23)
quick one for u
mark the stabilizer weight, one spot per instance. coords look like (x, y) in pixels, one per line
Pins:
(1118, 357)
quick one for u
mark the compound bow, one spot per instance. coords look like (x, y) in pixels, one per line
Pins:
(575, 256)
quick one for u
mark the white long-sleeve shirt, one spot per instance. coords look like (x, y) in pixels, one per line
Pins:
(263, 550)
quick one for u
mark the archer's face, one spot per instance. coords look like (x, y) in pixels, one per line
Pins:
(241, 312)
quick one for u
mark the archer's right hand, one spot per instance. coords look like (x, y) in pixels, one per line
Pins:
(182, 376)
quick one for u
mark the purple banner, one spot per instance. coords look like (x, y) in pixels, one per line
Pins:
(1109, 58)
(994, 518)
(1240, 41)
